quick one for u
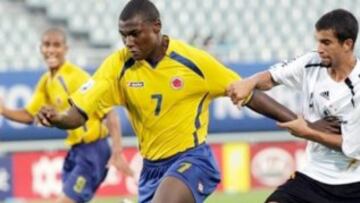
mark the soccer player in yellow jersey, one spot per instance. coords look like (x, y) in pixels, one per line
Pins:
(166, 85)
(85, 166)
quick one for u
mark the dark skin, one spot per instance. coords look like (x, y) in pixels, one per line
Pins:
(143, 39)
(145, 42)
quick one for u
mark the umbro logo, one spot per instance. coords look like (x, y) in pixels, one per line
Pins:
(325, 94)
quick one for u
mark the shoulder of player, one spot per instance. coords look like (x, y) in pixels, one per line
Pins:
(119, 60)
(191, 57)
(74, 71)
(184, 51)
(313, 60)
(43, 78)
(183, 48)
(114, 64)
(309, 61)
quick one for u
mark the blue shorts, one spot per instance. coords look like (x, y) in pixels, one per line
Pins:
(195, 167)
(84, 169)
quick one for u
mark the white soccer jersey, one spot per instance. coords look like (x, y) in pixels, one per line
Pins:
(322, 96)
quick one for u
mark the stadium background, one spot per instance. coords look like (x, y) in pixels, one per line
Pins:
(246, 35)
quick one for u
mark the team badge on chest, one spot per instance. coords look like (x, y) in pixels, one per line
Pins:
(177, 83)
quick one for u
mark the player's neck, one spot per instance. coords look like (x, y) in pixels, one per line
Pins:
(53, 71)
(340, 71)
(159, 51)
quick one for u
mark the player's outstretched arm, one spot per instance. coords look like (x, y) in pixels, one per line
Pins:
(300, 128)
(19, 115)
(267, 106)
(70, 119)
(117, 158)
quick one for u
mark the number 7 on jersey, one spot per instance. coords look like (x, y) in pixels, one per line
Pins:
(158, 98)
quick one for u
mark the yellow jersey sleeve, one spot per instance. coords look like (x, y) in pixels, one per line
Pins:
(39, 97)
(217, 76)
(101, 92)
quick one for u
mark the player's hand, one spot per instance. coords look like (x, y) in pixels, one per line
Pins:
(329, 124)
(240, 90)
(118, 160)
(298, 127)
(47, 116)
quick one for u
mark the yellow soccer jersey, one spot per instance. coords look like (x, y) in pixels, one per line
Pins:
(168, 103)
(55, 91)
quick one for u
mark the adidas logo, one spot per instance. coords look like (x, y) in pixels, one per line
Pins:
(325, 94)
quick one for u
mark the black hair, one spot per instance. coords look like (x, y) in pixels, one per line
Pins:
(145, 8)
(342, 22)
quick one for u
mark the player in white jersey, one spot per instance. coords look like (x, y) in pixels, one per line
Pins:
(329, 81)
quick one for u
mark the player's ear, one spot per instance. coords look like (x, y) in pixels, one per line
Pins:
(157, 26)
(348, 44)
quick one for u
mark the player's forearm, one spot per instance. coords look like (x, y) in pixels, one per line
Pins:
(21, 116)
(262, 80)
(70, 119)
(333, 141)
(113, 124)
(267, 106)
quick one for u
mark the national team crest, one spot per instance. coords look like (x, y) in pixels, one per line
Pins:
(177, 83)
